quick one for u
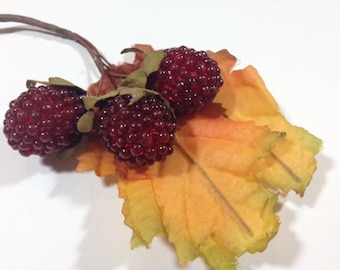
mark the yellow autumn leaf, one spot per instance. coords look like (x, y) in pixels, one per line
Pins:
(141, 211)
(209, 204)
(185, 249)
(292, 163)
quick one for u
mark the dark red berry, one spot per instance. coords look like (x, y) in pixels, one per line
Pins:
(137, 134)
(43, 120)
(187, 78)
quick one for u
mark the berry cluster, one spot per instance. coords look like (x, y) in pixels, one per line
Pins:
(189, 79)
(141, 133)
(139, 129)
(43, 120)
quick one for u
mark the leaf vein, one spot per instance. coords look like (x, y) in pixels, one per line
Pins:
(288, 169)
(217, 191)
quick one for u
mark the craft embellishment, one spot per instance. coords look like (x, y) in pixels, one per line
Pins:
(200, 150)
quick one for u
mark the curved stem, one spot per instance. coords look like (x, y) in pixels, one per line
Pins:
(102, 64)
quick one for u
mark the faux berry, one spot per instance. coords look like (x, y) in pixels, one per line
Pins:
(139, 133)
(187, 78)
(43, 120)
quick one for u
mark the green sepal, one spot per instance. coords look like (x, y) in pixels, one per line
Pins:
(138, 78)
(85, 122)
(60, 81)
(138, 93)
(135, 93)
(152, 61)
(56, 81)
(90, 101)
(30, 83)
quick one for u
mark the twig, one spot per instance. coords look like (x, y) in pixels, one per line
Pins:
(102, 64)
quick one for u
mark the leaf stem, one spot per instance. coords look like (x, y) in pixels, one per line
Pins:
(102, 64)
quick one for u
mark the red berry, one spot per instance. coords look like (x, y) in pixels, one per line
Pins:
(43, 120)
(139, 133)
(187, 78)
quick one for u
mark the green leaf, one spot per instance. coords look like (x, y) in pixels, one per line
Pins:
(60, 81)
(30, 83)
(56, 81)
(136, 93)
(152, 61)
(90, 101)
(137, 78)
(85, 123)
(51, 81)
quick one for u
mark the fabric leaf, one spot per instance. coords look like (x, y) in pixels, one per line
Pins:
(141, 211)
(208, 201)
(210, 197)
(292, 163)
(203, 197)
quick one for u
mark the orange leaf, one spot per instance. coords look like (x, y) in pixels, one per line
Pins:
(244, 94)
(209, 204)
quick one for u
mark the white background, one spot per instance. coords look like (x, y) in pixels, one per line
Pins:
(53, 218)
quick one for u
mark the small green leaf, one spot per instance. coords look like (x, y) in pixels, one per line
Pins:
(90, 101)
(135, 93)
(152, 61)
(60, 81)
(56, 81)
(30, 83)
(85, 123)
(138, 78)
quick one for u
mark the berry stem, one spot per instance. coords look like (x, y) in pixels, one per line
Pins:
(102, 64)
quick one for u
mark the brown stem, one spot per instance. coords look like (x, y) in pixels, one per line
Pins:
(102, 64)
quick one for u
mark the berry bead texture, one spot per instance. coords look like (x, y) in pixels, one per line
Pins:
(43, 120)
(139, 133)
(187, 78)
